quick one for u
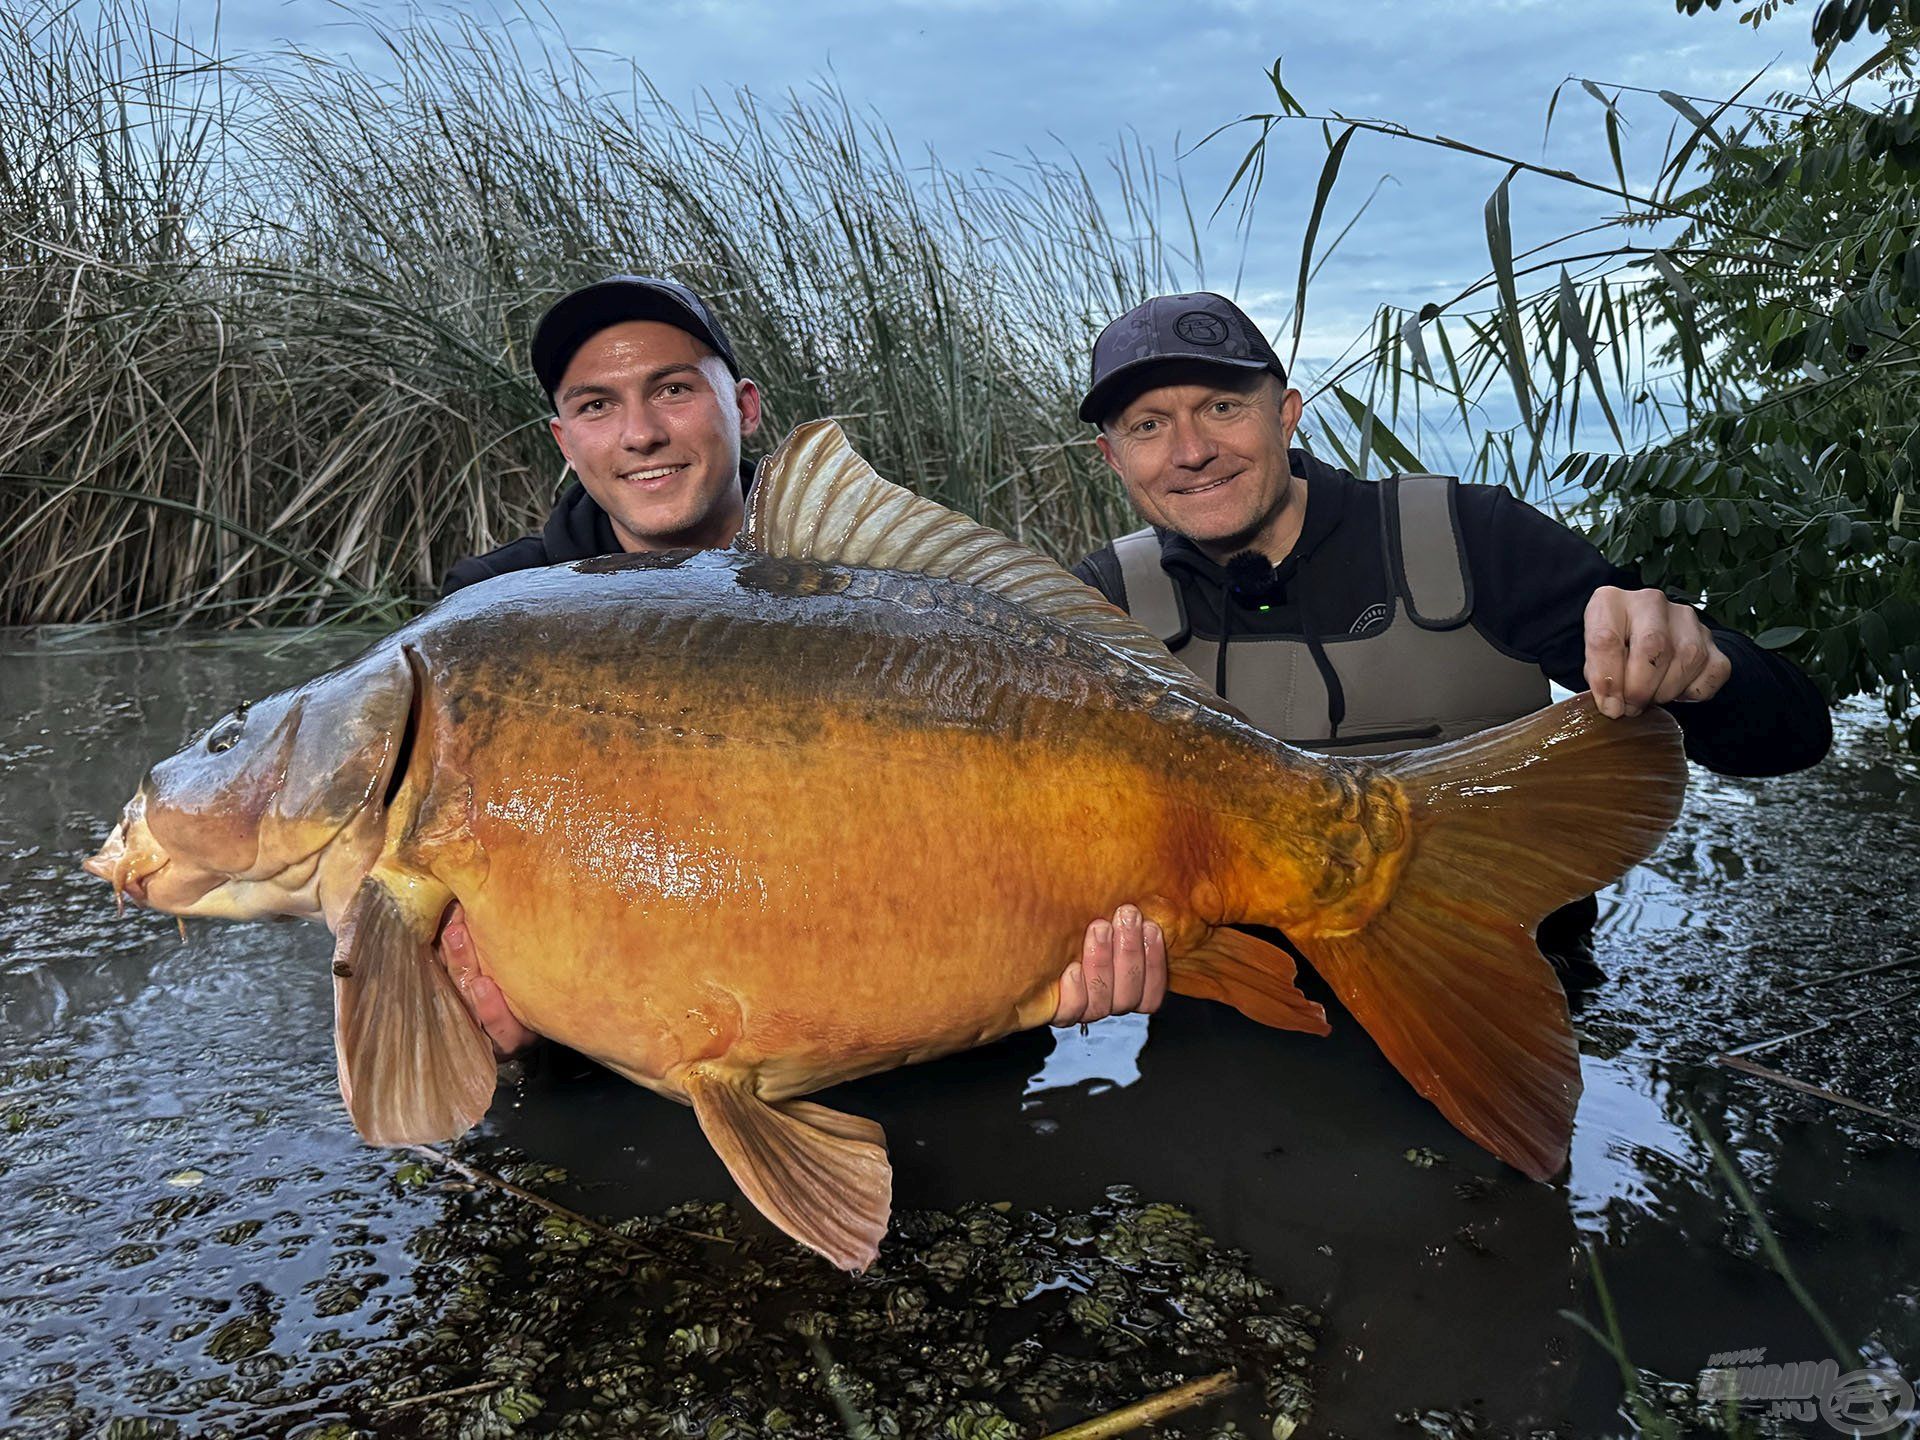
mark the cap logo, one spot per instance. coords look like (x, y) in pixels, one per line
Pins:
(1197, 327)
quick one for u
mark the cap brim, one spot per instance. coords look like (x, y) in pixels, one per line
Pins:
(574, 319)
(1099, 401)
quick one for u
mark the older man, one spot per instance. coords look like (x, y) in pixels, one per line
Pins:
(650, 407)
(1358, 617)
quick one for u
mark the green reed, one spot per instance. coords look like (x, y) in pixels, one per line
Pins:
(264, 318)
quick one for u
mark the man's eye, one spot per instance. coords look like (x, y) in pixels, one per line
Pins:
(1224, 407)
(225, 735)
(592, 407)
(1146, 427)
(676, 389)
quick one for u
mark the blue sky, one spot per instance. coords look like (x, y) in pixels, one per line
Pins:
(978, 80)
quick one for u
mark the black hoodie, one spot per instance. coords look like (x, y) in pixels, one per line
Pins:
(577, 529)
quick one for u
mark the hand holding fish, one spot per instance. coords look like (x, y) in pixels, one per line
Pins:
(1644, 649)
(484, 1000)
(1122, 969)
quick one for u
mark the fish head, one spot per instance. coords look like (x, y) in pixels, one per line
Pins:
(279, 807)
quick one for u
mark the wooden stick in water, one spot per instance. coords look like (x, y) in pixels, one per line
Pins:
(1756, 1046)
(484, 1177)
(1893, 964)
(1735, 1062)
(1154, 1407)
(458, 1390)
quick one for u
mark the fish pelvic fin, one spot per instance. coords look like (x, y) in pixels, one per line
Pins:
(820, 1175)
(1507, 825)
(1253, 976)
(414, 1067)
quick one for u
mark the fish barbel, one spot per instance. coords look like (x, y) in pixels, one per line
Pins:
(744, 824)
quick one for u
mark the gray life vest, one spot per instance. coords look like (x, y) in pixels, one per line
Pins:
(1427, 676)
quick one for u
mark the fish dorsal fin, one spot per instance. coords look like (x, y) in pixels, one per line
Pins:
(815, 498)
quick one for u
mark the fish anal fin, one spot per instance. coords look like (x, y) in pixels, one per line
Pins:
(414, 1067)
(1250, 974)
(821, 1176)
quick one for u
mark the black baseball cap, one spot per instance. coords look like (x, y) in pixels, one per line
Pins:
(1203, 327)
(576, 318)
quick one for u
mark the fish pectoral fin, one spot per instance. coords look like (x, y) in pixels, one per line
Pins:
(820, 1175)
(414, 1066)
(1248, 973)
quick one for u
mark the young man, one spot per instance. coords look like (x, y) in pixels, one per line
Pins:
(650, 408)
(1356, 617)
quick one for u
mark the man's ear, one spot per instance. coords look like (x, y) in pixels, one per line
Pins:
(746, 395)
(1106, 452)
(1292, 407)
(559, 438)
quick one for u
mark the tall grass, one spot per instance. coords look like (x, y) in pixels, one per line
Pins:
(263, 319)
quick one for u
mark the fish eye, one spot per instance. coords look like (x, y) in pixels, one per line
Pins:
(226, 734)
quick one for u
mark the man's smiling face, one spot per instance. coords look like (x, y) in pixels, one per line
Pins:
(650, 420)
(1203, 452)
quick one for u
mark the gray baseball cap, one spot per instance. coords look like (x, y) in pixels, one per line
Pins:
(1204, 327)
(578, 316)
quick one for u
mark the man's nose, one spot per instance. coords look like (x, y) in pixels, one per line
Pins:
(643, 429)
(1193, 448)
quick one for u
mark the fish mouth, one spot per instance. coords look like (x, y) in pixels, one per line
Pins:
(130, 859)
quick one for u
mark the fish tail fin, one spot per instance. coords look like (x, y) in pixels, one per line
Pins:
(1507, 826)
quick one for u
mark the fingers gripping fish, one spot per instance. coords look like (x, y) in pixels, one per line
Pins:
(696, 807)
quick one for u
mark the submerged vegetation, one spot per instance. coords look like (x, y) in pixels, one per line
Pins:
(982, 1324)
(264, 318)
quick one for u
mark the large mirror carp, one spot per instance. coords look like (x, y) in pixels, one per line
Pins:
(743, 824)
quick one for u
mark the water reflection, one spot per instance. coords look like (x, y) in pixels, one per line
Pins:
(1101, 1057)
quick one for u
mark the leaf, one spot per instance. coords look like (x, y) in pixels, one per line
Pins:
(1500, 248)
(1669, 518)
(1288, 104)
(1839, 532)
(1779, 637)
(1729, 515)
(1613, 123)
(1392, 449)
(1573, 324)
(1874, 638)
(1329, 172)
(1416, 347)
(1696, 515)
(1670, 272)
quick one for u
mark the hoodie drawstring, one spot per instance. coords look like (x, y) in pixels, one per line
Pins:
(1336, 695)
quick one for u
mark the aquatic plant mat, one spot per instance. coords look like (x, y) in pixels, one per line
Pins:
(985, 1323)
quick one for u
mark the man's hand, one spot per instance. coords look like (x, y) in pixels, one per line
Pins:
(1122, 969)
(1644, 649)
(484, 1001)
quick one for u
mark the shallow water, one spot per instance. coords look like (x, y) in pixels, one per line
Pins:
(175, 1166)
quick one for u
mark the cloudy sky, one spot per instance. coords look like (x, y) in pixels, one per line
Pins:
(980, 80)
